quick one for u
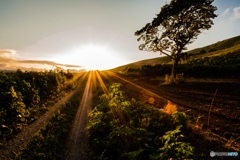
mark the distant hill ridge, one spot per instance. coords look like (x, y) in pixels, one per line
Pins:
(228, 43)
(221, 48)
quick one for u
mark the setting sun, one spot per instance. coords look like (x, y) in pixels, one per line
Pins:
(93, 57)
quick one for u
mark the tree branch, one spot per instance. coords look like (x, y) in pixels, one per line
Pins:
(166, 54)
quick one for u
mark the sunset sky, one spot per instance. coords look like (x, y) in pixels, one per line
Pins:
(96, 34)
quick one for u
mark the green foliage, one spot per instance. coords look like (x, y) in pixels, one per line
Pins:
(122, 129)
(173, 148)
(226, 65)
(223, 66)
(180, 118)
(24, 96)
(196, 119)
(50, 140)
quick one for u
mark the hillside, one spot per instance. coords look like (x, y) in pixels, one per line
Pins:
(217, 50)
(230, 43)
(159, 60)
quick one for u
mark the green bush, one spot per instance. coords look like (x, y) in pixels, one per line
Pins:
(24, 96)
(173, 148)
(49, 142)
(122, 129)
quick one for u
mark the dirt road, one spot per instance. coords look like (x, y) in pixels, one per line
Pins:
(78, 144)
(12, 148)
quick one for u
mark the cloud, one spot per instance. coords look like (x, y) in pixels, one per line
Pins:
(7, 67)
(6, 60)
(3, 65)
(13, 64)
(7, 51)
(226, 11)
(47, 63)
(236, 11)
(43, 62)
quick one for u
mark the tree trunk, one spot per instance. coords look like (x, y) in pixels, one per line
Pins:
(174, 69)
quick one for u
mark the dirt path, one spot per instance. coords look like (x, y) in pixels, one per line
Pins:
(12, 148)
(195, 99)
(78, 144)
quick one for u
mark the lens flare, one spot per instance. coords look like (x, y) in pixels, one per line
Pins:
(170, 108)
(151, 100)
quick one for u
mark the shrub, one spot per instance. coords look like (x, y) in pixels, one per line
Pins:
(122, 129)
(68, 85)
(173, 148)
(178, 80)
(24, 96)
(202, 51)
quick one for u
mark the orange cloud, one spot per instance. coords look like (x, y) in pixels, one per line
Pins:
(48, 63)
(7, 51)
(13, 64)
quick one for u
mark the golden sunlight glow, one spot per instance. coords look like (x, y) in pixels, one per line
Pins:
(93, 57)
(143, 89)
(94, 54)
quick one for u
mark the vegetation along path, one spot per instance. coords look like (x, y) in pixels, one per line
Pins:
(195, 100)
(22, 139)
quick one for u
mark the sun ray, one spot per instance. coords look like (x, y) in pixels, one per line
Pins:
(80, 122)
(106, 76)
(105, 90)
(117, 115)
(82, 75)
(94, 82)
(113, 110)
(86, 91)
(78, 75)
(143, 89)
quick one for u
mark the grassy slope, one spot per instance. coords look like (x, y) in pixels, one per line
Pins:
(230, 43)
(152, 61)
(216, 50)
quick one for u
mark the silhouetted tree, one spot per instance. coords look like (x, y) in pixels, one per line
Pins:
(177, 24)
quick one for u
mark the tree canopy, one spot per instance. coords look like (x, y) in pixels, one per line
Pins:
(177, 24)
